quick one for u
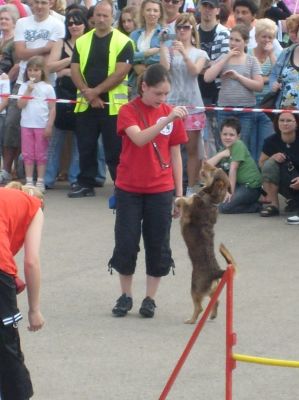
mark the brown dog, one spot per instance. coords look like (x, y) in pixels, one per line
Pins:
(198, 217)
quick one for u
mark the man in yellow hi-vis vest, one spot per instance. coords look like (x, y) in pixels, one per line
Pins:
(101, 61)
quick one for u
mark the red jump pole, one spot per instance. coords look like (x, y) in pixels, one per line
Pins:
(230, 335)
(193, 338)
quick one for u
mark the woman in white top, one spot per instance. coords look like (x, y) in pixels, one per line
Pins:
(185, 61)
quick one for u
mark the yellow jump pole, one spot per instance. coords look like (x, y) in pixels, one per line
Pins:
(266, 361)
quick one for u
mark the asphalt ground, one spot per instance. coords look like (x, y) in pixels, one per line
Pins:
(84, 353)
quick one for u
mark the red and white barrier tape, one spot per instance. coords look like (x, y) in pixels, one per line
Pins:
(204, 108)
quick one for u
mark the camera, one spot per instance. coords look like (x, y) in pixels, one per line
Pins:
(165, 35)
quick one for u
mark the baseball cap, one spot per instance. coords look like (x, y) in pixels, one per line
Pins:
(213, 3)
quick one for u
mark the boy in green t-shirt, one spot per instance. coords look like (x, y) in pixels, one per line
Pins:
(244, 175)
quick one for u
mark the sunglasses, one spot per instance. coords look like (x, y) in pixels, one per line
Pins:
(76, 23)
(183, 27)
(172, 1)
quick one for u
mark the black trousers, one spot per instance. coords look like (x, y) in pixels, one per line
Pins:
(15, 382)
(89, 125)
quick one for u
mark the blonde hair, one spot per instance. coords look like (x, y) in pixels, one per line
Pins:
(59, 6)
(30, 190)
(265, 24)
(186, 18)
(141, 17)
(292, 23)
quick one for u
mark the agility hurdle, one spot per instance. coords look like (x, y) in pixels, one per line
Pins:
(231, 339)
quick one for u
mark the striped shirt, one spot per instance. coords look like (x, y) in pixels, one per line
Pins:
(232, 92)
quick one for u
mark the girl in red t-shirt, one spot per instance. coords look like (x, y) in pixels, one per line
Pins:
(21, 221)
(148, 176)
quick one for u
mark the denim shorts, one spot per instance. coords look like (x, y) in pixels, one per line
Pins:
(149, 215)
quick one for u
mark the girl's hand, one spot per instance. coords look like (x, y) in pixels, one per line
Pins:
(30, 86)
(48, 132)
(232, 53)
(230, 74)
(295, 183)
(227, 198)
(178, 112)
(269, 47)
(176, 213)
(178, 46)
(225, 153)
(36, 321)
(276, 86)
(279, 157)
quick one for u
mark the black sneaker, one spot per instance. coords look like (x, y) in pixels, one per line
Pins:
(292, 206)
(147, 308)
(122, 306)
(80, 191)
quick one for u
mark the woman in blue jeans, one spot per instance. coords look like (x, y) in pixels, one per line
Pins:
(241, 77)
(244, 176)
(59, 62)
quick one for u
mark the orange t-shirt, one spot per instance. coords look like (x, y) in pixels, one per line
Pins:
(17, 209)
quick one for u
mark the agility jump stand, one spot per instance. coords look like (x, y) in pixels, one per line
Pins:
(231, 339)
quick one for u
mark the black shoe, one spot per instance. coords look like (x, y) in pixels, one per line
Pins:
(79, 191)
(147, 308)
(99, 183)
(122, 306)
(292, 206)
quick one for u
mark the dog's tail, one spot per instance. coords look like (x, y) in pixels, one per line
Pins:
(228, 257)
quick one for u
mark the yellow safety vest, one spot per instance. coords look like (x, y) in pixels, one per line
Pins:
(118, 95)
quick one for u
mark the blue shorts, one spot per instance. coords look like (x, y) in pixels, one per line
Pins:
(149, 215)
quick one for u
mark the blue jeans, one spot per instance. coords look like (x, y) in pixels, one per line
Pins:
(54, 155)
(263, 127)
(247, 120)
(101, 176)
(244, 200)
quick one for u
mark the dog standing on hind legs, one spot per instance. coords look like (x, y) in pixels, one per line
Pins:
(198, 217)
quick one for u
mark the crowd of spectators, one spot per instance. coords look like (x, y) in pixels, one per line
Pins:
(218, 52)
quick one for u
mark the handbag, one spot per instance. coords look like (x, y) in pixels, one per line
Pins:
(65, 117)
(269, 100)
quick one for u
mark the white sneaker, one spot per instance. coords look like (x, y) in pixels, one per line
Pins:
(293, 220)
(5, 177)
(40, 186)
(190, 191)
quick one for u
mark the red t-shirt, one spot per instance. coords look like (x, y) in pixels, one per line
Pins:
(139, 169)
(17, 210)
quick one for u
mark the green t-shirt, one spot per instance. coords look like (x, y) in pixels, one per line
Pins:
(248, 172)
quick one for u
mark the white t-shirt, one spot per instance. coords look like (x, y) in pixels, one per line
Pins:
(4, 89)
(37, 34)
(36, 112)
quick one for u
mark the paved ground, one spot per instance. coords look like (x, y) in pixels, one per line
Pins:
(85, 353)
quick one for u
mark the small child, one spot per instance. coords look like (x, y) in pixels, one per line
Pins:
(37, 119)
(244, 175)
(4, 89)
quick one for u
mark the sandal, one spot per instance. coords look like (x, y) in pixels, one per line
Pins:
(269, 211)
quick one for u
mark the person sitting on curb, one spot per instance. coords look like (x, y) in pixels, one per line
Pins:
(279, 163)
(244, 176)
